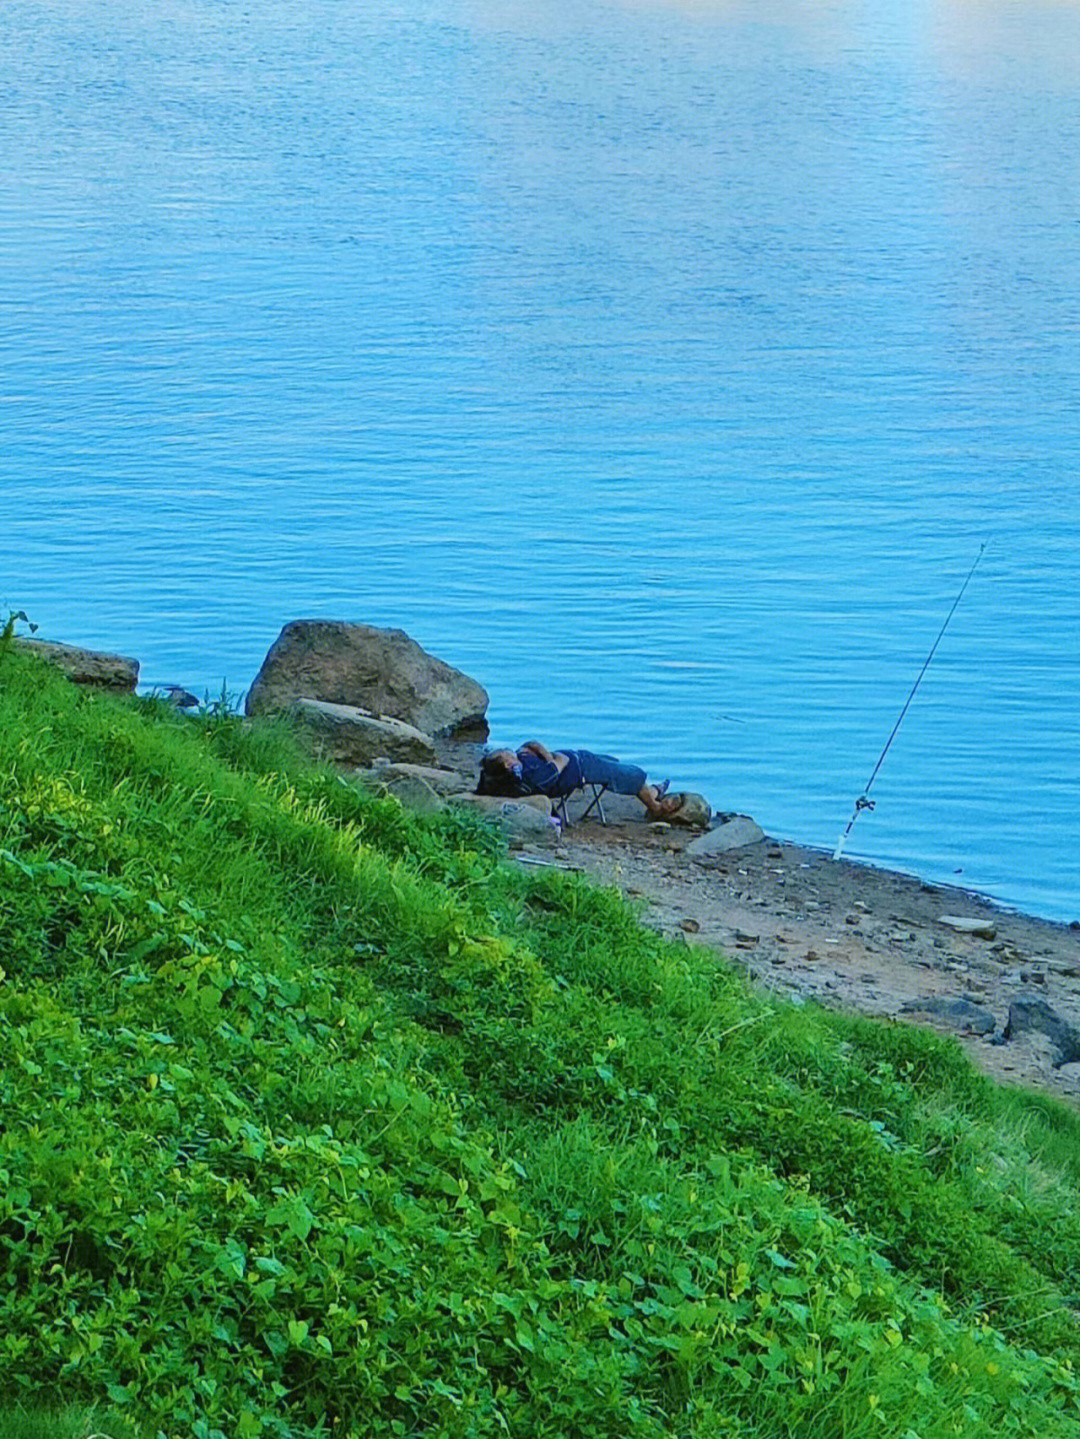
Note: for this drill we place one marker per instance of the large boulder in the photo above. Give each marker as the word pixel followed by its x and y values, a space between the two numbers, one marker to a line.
pixel 347 735
pixel 382 671
pixel 87 667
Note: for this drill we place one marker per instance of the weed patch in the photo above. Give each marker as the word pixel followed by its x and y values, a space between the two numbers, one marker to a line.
pixel 316 1117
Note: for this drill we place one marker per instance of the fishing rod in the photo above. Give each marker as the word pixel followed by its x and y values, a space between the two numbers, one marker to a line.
pixel 864 801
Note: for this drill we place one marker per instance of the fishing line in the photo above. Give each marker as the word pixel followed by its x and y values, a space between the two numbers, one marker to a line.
pixel 864 801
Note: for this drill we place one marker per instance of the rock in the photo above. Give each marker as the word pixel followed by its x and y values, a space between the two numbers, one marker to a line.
pixel 736 833
pixel 410 790
pixel 1028 1015
pixel 347 735
pixel 981 928
pixel 442 782
pixel 87 667
pixel 176 696
pixel 693 811
pixel 618 809
pixel 962 1014
pixel 490 803
pixel 526 820
pixel 382 671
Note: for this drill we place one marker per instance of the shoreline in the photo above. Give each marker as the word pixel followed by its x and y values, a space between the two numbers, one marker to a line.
pixel 842 933
pixel 849 935
pixel 121 673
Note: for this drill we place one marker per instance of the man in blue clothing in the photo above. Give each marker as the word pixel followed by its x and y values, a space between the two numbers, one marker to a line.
pixel 534 769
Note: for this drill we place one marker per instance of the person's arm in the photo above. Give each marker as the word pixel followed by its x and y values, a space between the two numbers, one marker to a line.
pixel 541 751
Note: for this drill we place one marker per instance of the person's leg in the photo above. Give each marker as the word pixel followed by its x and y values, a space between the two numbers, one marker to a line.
pixel 657 801
pixel 622 779
pixel 606 769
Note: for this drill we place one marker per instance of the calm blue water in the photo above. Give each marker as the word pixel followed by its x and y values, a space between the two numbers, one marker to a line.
pixel 663 366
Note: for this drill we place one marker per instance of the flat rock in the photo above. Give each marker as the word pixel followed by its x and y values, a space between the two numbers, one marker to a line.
pixel 379 670
pixel 409 789
pixel 735 833
pixel 96 668
pixel 492 803
pixel 524 821
pixel 961 1014
pixel 964 924
pixel 348 735
pixel 618 808
pixel 442 782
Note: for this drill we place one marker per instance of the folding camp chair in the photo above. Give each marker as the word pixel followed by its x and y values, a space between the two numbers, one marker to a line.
pixel 596 803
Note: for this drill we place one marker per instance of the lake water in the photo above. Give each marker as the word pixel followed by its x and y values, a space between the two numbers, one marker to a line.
pixel 663 366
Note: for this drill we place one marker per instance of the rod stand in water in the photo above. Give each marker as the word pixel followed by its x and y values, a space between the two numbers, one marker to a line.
pixel 864 801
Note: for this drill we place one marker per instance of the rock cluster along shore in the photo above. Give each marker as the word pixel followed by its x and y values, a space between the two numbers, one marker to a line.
pixel 373 702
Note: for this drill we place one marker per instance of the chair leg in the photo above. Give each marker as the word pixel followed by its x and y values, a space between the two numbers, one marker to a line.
pixel 598 791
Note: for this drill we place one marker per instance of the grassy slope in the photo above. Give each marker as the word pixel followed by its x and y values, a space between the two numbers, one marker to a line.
pixel 317 1117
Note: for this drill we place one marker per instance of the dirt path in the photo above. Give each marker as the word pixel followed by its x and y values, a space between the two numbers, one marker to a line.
pixel 850 936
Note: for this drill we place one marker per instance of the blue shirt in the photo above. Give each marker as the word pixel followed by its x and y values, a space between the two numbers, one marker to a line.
pixel 541 776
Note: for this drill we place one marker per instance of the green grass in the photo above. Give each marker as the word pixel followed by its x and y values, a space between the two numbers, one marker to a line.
pixel 61 1424
pixel 318 1117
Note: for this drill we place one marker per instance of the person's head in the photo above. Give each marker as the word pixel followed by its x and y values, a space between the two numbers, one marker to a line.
pixel 500 774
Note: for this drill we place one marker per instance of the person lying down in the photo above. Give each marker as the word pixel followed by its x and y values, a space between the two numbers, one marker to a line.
pixel 534 769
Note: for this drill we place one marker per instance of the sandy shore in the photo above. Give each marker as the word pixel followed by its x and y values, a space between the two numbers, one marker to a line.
pixel 850 936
